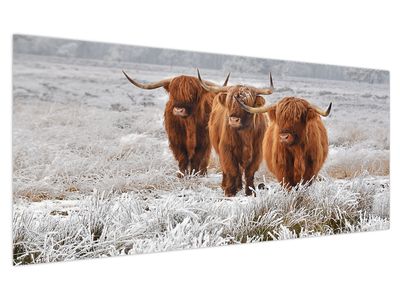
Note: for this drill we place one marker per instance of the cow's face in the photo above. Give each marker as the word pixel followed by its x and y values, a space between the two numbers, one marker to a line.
pixel 237 117
pixel 184 93
pixel 291 116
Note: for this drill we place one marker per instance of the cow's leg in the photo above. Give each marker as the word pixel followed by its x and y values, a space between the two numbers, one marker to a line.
pixel 310 172
pixel 249 172
pixel 231 170
pixel 251 161
pixel 298 173
pixel 238 179
pixel 249 175
pixel 181 156
pixel 176 133
pixel 224 178
pixel 299 165
pixel 231 187
pixel 284 168
pixel 200 159
pixel 205 160
pixel 192 147
pixel 183 163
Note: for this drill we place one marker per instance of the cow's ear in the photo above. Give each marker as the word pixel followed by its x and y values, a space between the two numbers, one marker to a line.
pixel 221 98
pixel 310 115
pixel 260 101
pixel 166 87
pixel 272 114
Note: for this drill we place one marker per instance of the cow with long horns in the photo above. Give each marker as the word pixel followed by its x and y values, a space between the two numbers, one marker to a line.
pixel 186 118
pixel 295 145
pixel 236 135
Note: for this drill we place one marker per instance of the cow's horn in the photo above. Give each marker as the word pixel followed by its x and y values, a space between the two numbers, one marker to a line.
pixel 267 91
pixel 256 110
pixel 226 80
pixel 148 86
pixel 213 88
pixel 321 112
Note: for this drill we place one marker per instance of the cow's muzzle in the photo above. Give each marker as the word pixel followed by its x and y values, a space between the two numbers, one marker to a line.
pixel 287 138
pixel 180 112
pixel 235 122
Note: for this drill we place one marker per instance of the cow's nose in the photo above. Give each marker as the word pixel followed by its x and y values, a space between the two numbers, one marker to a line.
pixel 234 120
pixel 180 111
pixel 284 137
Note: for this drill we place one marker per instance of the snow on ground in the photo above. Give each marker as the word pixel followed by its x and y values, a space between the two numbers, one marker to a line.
pixel 93 175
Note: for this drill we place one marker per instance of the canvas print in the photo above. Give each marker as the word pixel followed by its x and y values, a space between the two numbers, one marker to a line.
pixel 121 150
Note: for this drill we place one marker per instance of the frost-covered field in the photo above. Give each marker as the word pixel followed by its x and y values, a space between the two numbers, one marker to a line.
pixel 93 175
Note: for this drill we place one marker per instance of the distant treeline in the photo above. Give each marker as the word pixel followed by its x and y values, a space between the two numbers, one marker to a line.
pixel 123 53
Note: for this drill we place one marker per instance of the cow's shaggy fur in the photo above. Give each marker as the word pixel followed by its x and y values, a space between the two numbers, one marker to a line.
pixel 188 136
pixel 239 148
pixel 302 156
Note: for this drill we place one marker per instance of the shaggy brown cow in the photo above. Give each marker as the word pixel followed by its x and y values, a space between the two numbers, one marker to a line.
pixel 185 119
pixel 236 135
pixel 295 145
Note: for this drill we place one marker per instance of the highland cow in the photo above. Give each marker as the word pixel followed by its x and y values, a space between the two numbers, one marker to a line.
pixel 186 118
pixel 295 145
pixel 236 135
